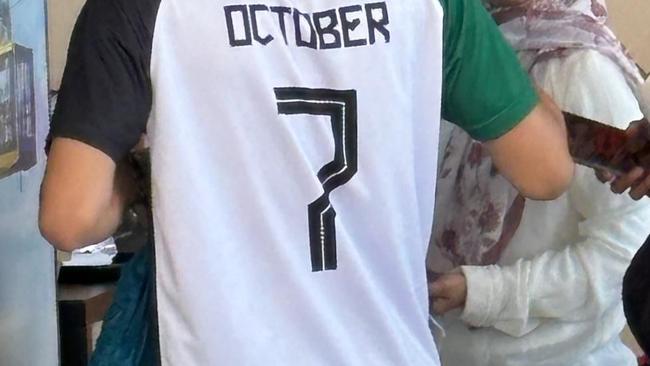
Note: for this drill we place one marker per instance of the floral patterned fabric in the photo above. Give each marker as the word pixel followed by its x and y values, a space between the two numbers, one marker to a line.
pixel 477 210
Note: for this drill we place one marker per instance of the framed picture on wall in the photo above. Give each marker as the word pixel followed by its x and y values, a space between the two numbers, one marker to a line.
pixel 17 101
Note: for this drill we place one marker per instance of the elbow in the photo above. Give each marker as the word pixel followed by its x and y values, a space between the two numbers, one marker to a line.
pixel 550 183
pixel 63 231
pixel 544 166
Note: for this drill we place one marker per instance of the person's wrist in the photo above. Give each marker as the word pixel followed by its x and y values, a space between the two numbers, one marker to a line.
pixel 481 295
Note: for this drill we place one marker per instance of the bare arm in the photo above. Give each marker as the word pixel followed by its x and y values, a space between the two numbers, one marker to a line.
pixel 104 105
pixel 534 156
pixel 83 195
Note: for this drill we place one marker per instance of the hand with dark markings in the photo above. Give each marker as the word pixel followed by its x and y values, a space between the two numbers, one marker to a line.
pixel 637 179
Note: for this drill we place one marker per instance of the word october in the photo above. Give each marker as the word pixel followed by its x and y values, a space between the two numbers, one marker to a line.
pixel 329 29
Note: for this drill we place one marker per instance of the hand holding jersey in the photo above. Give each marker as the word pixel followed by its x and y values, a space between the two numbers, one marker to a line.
pixel 313 166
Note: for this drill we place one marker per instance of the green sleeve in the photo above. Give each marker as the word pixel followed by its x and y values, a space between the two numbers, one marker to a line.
pixel 485 90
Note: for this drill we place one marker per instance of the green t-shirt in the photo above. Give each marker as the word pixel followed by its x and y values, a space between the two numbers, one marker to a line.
pixel 485 91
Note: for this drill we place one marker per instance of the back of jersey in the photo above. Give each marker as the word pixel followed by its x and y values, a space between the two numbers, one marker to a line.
pixel 294 149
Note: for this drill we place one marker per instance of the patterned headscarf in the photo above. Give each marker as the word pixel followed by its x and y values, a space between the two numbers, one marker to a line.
pixel 554 28
pixel 477 210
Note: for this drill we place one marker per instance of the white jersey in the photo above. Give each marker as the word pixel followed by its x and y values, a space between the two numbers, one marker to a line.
pixel 294 159
pixel 294 149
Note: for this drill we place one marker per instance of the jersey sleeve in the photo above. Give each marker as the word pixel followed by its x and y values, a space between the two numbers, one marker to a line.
pixel 486 91
pixel 106 95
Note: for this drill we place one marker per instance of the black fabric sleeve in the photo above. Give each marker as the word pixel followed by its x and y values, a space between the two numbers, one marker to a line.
pixel 105 96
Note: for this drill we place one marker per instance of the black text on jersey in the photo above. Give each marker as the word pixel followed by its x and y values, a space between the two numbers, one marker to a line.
pixel 341 107
pixel 348 26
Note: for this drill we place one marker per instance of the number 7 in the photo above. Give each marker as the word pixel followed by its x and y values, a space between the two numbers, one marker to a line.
pixel 341 107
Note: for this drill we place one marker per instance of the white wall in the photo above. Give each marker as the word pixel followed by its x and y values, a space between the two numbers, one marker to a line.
pixel 62 15
pixel 630 19
pixel 28 318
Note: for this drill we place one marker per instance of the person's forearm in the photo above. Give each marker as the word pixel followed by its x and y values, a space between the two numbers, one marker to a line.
pixel 553 109
pixel 82 203
pixel 517 297
pixel 534 155
pixel 110 219
pixel 77 227
pixel 522 294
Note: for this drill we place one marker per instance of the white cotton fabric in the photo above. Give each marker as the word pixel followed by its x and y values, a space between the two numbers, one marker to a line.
pixel 232 181
pixel 554 298
pixel 644 97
